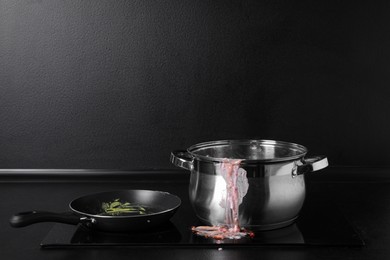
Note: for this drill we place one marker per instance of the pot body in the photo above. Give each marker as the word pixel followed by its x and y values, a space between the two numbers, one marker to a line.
pixel 276 185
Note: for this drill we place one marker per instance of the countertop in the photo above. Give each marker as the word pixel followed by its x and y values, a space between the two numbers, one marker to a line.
pixel 362 194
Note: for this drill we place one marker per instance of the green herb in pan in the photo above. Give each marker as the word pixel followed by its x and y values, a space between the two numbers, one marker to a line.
pixel 117 208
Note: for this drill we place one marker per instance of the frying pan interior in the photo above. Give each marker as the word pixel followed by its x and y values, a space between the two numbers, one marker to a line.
pixel 155 202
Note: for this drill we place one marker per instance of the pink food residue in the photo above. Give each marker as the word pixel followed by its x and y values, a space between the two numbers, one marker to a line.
pixel 236 188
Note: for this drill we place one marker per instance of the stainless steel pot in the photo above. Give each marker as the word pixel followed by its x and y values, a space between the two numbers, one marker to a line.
pixel 275 174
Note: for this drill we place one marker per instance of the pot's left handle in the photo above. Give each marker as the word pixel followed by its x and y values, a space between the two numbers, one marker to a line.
pixel 312 164
pixel 182 159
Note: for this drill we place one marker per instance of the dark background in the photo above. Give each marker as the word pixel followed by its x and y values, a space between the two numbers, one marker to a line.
pixel 120 84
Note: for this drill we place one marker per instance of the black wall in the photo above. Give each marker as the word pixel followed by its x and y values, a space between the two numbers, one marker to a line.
pixel 120 84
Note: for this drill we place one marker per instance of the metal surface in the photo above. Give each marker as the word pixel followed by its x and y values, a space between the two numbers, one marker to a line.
pixel 248 150
pixel 275 172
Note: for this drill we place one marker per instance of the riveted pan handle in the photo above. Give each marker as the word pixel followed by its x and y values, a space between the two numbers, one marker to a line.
pixel 182 159
pixel 312 164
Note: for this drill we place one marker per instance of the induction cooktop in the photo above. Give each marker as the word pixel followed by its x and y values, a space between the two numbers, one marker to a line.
pixel 319 224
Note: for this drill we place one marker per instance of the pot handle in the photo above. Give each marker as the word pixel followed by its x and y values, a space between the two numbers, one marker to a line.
pixel 23 219
pixel 312 164
pixel 182 159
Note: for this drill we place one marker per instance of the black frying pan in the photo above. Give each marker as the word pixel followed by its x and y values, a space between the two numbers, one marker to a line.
pixel 159 207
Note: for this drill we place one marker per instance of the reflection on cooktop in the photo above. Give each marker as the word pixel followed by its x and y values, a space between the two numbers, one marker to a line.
pixel 320 224
pixel 282 236
pixel 166 233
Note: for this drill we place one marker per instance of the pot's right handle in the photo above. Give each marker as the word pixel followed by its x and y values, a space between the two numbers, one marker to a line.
pixel 182 159
pixel 312 164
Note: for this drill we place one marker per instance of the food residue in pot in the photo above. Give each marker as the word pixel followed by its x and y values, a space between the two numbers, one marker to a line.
pixel 236 188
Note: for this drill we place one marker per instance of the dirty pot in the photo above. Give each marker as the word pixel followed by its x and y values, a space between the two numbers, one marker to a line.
pixel 274 171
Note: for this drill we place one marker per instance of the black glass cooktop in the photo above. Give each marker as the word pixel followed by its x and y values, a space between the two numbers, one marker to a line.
pixel 319 224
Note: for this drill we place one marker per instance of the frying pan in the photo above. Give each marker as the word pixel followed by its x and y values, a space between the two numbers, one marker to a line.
pixel 87 210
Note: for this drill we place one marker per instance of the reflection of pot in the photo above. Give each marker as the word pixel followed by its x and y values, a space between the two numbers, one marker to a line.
pixel 275 172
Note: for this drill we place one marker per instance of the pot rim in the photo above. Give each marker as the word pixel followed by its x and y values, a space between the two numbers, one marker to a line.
pixel 299 151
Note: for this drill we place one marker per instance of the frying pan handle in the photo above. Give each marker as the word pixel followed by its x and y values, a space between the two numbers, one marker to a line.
pixel 182 159
pixel 312 164
pixel 23 219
